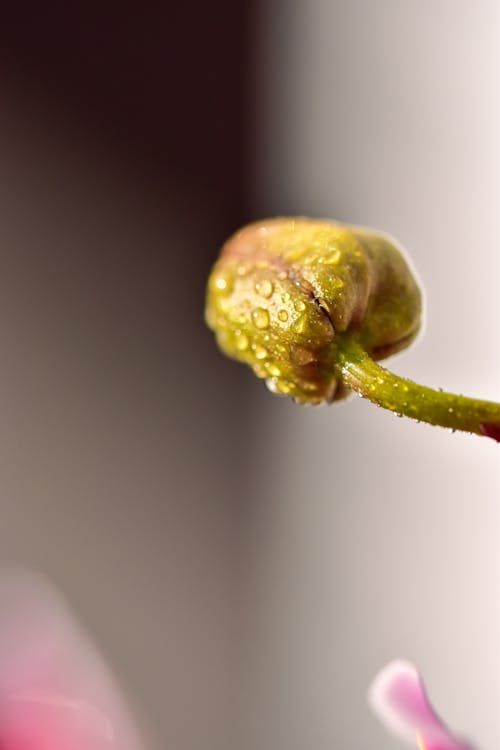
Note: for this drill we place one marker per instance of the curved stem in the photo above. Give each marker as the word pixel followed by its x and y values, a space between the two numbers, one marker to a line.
pixel 361 373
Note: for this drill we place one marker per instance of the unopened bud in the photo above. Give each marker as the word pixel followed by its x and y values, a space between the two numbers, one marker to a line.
pixel 284 289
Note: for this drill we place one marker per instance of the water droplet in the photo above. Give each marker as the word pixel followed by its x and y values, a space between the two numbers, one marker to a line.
pixel 223 284
pixel 260 317
pixel 380 380
pixel 241 342
pixel 264 288
pixel 273 370
pixel 450 409
pixel 260 352
pixel 283 316
pixel 300 306
pixel 300 324
pixel 285 297
pixel 272 384
pixel 395 385
pixel 242 270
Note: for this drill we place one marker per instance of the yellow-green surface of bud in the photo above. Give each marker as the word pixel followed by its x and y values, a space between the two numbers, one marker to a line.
pixel 284 290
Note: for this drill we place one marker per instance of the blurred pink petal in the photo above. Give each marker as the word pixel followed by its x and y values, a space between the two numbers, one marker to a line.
pixel 398 698
pixel 55 691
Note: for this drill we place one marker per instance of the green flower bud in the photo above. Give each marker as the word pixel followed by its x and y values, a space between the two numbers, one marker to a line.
pixel 284 290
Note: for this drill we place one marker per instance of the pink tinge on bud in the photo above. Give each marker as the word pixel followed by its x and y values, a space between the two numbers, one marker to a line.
pixel 55 690
pixel 398 698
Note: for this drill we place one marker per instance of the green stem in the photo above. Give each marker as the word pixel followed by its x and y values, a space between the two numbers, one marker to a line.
pixel 361 373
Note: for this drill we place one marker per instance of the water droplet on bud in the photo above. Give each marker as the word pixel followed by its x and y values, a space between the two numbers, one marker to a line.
pixel 260 352
pixel 260 318
pixel 273 370
pixel 264 288
pixel 241 342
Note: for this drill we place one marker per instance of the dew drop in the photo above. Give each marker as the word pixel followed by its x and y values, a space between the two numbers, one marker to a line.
pixel 285 297
pixel 223 284
pixel 300 324
pixel 260 352
pixel 264 288
pixel 260 318
pixel 450 409
pixel 300 306
pixel 273 370
pixel 272 384
pixel 241 342
pixel 283 316
pixel 380 380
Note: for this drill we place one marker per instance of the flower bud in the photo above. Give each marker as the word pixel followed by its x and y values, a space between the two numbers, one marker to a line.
pixel 283 290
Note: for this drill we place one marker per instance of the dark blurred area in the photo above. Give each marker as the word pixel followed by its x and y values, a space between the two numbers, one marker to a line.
pixel 165 84
pixel 125 146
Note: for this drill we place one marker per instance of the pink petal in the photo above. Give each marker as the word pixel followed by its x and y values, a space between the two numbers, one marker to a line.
pixel 398 698
pixel 55 691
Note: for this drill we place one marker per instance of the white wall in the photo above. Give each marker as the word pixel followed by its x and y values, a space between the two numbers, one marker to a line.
pixel 372 537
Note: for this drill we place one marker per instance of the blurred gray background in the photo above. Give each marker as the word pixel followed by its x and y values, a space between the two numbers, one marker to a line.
pixel 373 537
pixel 247 565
